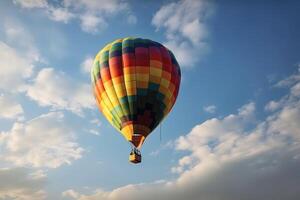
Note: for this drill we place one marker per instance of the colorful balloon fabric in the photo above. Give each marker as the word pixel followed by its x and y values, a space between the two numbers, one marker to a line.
pixel 135 84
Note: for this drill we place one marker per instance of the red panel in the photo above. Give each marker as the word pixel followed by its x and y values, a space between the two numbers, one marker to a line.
pixel 142 56
pixel 105 74
pixel 154 53
pixel 166 59
pixel 115 66
pixel 128 60
pixel 100 86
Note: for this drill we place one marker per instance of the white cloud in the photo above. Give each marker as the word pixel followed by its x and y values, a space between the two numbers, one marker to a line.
pixel 92 14
pixel 87 64
pixel 15 69
pixel 19 184
pixel 286 122
pixel 56 89
pixel 45 141
pixel 92 23
pixel 39 174
pixel 96 122
pixel 272 106
pixel 210 108
pixel 94 132
pixel 18 55
pixel 295 90
pixel 186 54
pixel 289 80
pixel 31 3
pixel 231 158
pixel 60 14
pixel 186 31
pixel 109 7
pixel 9 108
pixel 21 39
pixel 71 193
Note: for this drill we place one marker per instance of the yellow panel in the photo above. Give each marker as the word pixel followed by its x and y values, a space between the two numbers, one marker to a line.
pixel 105 103
pixel 129 77
pixel 155 71
pixel 120 90
pixel 155 63
pixel 130 88
pixel 110 92
pixel 107 84
pixel 117 41
pixel 164 82
pixel 127 132
pixel 117 80
pixel 142 77
pixel 108 114
pixel 168 94
pixel 129 70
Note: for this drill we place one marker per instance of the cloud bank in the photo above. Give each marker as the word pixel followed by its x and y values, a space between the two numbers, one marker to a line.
pixel 230 158
pixel 21 184
pixel 46 141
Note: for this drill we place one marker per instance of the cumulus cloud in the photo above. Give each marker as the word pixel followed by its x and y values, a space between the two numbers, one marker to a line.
pixel 60 14
pixel 71 193
pixel 185 25
pixel 87 64
pixel 18 55
pixel 272 105
pixel 96 122
pixel 46 141
pixel 20 184
pixel 93 15
pixel 20 38
pixel 289 80
pixel 9 108
pixel 92 23
pixel 210 109
pixel 234 157
pixel 94 132
pixel 56 89
pixel 31 3
pixel 15 69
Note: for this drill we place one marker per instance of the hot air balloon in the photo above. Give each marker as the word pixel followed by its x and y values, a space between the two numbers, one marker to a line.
pixel 135 83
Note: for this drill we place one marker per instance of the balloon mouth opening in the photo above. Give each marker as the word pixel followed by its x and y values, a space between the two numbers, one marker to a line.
pixel 137 140
pixel 135 133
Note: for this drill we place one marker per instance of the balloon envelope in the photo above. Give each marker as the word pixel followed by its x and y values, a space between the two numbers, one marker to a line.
pixel 135 84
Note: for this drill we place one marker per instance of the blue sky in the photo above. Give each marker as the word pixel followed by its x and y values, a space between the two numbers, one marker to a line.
pixel 233 131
